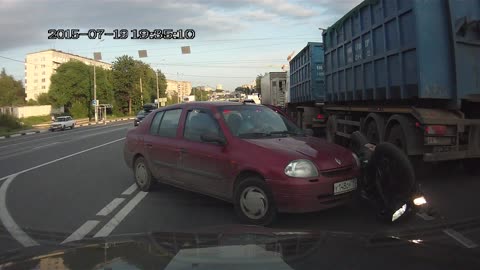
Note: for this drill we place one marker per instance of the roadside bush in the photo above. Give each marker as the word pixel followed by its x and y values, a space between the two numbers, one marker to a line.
pixel 79 110
pixel 32 102
pixel 35 120
pixel 9 122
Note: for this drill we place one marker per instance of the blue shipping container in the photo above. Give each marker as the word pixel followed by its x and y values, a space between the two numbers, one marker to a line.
pixel 307 83
pixel 404 49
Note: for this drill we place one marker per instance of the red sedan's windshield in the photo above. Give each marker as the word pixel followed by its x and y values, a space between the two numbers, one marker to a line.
pixel 245 120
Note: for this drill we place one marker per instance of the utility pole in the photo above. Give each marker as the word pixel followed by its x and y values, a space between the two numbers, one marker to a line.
pixel 95 92
pixel 158 92
pixel 96 56
pixel 141 90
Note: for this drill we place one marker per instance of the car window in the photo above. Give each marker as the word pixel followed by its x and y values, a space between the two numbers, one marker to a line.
pixel 156 123
pixel 169 123
pixel 258 120
pixel 200 122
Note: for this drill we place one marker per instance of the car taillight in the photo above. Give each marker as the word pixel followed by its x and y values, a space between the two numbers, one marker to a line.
pixel 436 130
pixel 320 116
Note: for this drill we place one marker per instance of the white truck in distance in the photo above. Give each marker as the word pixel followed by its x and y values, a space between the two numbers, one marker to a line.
pixel 62 122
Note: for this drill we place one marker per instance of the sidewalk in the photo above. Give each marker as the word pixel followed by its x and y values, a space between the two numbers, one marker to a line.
pixel 80 123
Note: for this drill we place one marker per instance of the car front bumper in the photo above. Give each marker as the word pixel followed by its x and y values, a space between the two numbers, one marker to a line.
pixel 310 195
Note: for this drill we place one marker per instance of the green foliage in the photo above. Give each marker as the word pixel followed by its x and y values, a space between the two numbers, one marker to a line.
pixel 74 83
pixel 172 100
pixel 79 110
pixel 126 74
pixel 200 95
pixel 35 120
pixel 32 102
pixel 258 84
pixel 245 90
pixel 8 121
pixel 44 99
pixel 12 92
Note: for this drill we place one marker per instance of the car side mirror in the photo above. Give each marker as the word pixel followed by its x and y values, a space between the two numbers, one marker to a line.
pixel 309 132
pixel 213 138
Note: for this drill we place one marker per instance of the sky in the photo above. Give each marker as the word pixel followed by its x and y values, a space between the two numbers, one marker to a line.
pixel 235 40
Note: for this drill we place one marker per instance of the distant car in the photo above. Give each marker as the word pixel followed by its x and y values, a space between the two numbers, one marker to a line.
pixel 62 122
pixel 242 153
pixel 140 116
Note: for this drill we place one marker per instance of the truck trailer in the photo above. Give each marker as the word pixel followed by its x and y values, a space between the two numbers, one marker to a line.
pixel 407 72
pixel 306 96
pixel 274 87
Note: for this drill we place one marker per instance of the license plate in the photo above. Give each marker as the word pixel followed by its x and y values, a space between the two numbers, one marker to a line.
pixel 344 186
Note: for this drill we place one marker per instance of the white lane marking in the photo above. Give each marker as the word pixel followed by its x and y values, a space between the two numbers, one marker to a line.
pixel 110 226
pixel 45 145
pixel 425 216
pixel 62 158
pixel 130 190
pixel 460 238
pixel 7 220
pixel 75 132
pixel 82 231
pixel 110 207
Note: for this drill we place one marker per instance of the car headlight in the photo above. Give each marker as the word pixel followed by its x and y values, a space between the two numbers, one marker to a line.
pixel 357 160
pixel 301 168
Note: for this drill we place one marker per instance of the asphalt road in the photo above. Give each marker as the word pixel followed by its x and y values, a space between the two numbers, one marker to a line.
pixel 65 186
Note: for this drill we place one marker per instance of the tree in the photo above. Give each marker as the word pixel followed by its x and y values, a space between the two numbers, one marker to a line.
pixel 127 73
pixel 44 99
pixel 73 83
pixel 32 102
pixel 258 84
pixel 12 92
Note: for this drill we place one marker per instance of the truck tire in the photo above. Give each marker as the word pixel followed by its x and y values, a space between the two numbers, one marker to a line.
pixel 331 129
pixel 392 174
pixel 372 132
pixel 253 201
pixel 357 142
pixel 397 137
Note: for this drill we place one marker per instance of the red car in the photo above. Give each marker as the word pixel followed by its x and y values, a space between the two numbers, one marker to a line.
pixel 243 153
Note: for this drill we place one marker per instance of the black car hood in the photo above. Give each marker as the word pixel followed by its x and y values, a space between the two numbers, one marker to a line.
pixel 244 247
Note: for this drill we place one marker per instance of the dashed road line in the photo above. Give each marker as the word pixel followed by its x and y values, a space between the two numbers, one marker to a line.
pixel 82 231
pixel 115 221
pixel 460 238
pixel 130 190
pixel 110 207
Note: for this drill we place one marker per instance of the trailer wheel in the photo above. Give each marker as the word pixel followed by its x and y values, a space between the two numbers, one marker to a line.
pixel 397 137
pixel 372 132
pixel 331 129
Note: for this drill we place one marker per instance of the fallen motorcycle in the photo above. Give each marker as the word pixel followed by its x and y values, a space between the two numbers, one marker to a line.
pixel 388 179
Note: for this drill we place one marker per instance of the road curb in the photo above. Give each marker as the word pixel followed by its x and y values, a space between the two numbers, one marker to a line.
pixel 42 131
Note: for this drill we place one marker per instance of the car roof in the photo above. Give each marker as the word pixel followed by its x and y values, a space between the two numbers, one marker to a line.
pixel 208 104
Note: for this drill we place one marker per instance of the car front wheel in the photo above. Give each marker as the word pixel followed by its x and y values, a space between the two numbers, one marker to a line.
pixel 254 202
pixel 142 174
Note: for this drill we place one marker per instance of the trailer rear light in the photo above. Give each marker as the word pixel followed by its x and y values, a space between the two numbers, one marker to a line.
pixel 320 116
pixel 439 130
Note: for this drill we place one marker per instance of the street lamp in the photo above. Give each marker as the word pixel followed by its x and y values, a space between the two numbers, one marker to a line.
pixel 96 56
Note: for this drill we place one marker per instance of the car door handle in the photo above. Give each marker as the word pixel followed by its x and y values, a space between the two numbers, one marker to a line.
pixel 149 145
pixel 183 150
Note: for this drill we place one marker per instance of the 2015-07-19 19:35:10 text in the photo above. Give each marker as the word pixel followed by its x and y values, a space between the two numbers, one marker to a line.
pixel 122 34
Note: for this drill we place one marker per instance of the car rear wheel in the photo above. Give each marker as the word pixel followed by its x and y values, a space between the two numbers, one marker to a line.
pixel 254 202
pixel 142 174
pixel 73 126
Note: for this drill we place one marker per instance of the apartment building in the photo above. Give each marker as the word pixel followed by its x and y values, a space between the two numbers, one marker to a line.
pixel 183 88
pixel 40 66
